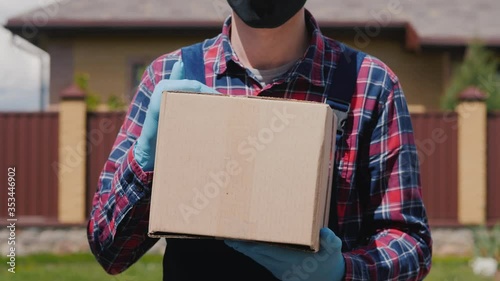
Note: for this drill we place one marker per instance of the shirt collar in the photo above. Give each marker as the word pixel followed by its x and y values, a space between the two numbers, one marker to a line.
pixel 310 67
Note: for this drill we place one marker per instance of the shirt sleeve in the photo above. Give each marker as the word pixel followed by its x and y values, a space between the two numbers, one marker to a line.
pixel 398 244
pixel 118 225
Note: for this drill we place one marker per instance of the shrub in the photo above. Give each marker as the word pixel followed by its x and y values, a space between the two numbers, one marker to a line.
pixel 478 69
pixel 92 99
pixel 82 81
pixel 487 242
pixel 116 103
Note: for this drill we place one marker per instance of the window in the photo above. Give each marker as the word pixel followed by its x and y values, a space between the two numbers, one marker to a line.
pixel 137 71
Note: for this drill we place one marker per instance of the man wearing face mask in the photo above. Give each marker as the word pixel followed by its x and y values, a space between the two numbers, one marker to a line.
pixel 378 228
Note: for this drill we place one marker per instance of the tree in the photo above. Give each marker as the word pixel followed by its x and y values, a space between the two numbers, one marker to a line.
pixel 480 69
pixel 91 99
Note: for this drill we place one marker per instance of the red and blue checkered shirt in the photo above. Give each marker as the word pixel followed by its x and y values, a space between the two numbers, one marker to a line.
pixel 381 218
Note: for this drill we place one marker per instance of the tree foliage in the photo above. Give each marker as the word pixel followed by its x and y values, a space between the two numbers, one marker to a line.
pixel 479 69
pixel 92 99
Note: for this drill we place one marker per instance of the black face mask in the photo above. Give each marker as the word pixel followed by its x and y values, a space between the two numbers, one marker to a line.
pixel 266 13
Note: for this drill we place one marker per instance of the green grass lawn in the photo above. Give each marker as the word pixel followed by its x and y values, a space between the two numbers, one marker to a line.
pixel 83 267
pixel 453 269
pixel 78 267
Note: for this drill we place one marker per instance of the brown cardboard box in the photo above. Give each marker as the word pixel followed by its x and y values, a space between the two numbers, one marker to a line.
pixel 242 168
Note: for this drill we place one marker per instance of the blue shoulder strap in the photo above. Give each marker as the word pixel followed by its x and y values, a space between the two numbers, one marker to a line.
pixel 340 89
pixel 194 62
pixel 342 85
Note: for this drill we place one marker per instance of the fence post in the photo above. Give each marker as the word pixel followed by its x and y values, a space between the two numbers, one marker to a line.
pixel 72 155
pixel 472 141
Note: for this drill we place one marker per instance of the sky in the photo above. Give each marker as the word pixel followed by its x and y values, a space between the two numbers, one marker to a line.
pixel 20 68
pixel 10 8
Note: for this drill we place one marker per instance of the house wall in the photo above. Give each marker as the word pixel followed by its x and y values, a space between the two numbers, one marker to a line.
pixel 422 75
pixel 108 61
pixel 61 67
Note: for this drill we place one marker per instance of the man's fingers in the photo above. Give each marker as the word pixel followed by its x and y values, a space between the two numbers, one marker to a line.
pixel 177 71
pixel 329 241
pixel 205 89
pixel 261 249
pixel 178 82
pixel 238 245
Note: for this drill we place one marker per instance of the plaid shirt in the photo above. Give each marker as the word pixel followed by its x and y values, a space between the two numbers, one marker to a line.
pixel 381 217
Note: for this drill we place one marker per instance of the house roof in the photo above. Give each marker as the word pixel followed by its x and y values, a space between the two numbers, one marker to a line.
pixel 428 22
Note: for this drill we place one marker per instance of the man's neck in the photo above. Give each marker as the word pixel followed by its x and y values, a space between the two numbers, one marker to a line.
pixel 270 48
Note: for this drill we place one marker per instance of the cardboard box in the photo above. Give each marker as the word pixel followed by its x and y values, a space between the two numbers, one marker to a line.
pixel 242 168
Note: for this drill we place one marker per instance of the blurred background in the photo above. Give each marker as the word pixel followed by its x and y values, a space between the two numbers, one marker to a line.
pixel 69 69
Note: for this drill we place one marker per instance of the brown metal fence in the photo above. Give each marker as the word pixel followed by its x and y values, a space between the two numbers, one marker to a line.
pixel 436 139
pixel 493 198
pixel 102 128
pixel 29 142
pixel 435 136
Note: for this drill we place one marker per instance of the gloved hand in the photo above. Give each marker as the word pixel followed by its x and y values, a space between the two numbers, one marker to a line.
pixel 145 147
pixel 289 265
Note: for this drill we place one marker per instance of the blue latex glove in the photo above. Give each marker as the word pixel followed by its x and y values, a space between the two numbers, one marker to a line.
pixel 145 147
pixel 292 265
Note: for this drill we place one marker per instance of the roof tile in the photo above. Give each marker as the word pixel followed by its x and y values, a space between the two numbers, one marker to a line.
pixel 461 20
